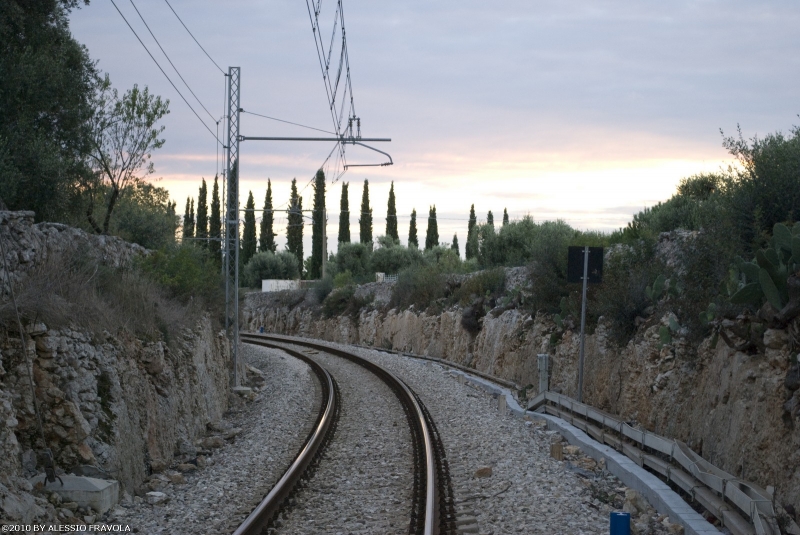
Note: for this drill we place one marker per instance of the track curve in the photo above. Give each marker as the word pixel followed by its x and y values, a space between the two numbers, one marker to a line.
pixel 433 510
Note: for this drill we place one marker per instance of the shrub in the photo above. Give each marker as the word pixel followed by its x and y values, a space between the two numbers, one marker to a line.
pixel 622 297
pixel 186 271
pixel 323 288
pixel 269 265
pixel 488 283
pixel 395 258
pixel 344 301
pixel 345 278
pixel 355 258
pixel 418 286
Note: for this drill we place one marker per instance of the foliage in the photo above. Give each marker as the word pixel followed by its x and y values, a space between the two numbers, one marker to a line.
pixel 266 237
pixel 391 216
pixel 146 216
pixel 188 219
pixel 432 234
pixel 344 216
pixel 490 219
pixel 345 278
pixel 412 231
pixel 318 218
pixel 249 232
pixel 355 258
pixel 766 188
pixel 201 228
pixel 472 238
pixel 323 287
pixel 294 225
pixel 487 283
pixel 47 82
pixel 124 134
pixel 269 265
pixel 186 271
pixel 765 278
pixel 365 217
pixel 622 297
pixel 343 301
pixel 454 245
pixel 418 286
pixel 505 217
pixel 215 224
pixel 394 258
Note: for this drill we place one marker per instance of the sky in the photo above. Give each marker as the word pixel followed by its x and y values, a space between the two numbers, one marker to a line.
pixel 586 111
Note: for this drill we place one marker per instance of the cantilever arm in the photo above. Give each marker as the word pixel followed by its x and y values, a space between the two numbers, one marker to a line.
pixel 390 162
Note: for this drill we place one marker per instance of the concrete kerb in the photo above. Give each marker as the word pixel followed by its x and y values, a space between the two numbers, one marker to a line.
pixel 655 491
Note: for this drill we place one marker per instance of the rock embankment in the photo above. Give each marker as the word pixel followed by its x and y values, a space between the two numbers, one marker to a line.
pixel 111 404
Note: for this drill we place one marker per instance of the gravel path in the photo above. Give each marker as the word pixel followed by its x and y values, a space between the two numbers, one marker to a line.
pixel 216 498
pixel 364 481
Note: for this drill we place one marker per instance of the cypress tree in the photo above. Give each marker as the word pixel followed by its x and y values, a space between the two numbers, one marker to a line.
pixel 318 217
pixel 294 226
pixel 344 216
pixel 412 230
pixel 432 235
pixel 191 219
pixel 266 239
pixel 365 221
pixel 490 219
pixel 505 217
pixel 470 249
pixel 201 230
pixel 186 226
pixel 215 223
pixel 391 216
pixel 188 220
pixel 454 246
pixel 249 237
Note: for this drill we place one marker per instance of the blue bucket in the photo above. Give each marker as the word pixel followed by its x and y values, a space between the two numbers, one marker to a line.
pixel 620 523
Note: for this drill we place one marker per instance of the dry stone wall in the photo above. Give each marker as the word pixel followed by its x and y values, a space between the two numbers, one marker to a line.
pixel 738 410
pixel 114 402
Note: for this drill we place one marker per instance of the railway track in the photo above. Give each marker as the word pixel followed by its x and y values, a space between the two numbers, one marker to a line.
pixel 432 509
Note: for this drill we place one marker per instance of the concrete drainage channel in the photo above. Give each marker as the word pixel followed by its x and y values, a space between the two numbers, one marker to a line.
pixel 433 509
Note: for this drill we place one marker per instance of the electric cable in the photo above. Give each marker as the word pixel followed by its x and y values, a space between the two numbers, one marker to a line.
pixel 163 72
pixel 288 122
pixel 170 61
pixel 195 39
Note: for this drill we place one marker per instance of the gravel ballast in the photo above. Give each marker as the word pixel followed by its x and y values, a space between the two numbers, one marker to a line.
pixel 364 481
pixel 216 498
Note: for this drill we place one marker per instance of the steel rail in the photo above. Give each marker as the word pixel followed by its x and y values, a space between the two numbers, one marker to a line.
pixel 433 523
pixel 260 518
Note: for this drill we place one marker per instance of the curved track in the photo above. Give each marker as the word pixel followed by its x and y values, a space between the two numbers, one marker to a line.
pixel 324 427
pixel 432 511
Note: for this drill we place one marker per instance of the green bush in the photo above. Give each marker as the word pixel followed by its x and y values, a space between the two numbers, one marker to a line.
pixel 488 283
pixel 344 301
pixel 144 215
pixel 393 259
pixel 186 271
pixel 355 258
pixel 418 286
pixel 323 287
pixel 345 278
pixel 622 297
pixel 269 265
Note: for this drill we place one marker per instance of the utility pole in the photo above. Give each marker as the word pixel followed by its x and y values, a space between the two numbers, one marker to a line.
pixel 232 220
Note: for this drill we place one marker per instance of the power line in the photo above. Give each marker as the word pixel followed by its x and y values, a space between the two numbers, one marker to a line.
pixel 163 72
pixel 287 122
pixel 170 61
pixel 195 39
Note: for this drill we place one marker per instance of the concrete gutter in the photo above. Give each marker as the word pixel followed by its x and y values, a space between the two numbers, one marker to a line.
pixel 655 491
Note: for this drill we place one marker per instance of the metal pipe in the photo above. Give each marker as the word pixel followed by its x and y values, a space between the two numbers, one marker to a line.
pixel 583 320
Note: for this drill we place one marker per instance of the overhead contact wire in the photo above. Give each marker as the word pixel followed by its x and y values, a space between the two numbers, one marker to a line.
pixel 164 73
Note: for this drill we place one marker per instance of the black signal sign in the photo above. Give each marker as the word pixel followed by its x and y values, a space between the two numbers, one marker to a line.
pixel 575 264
